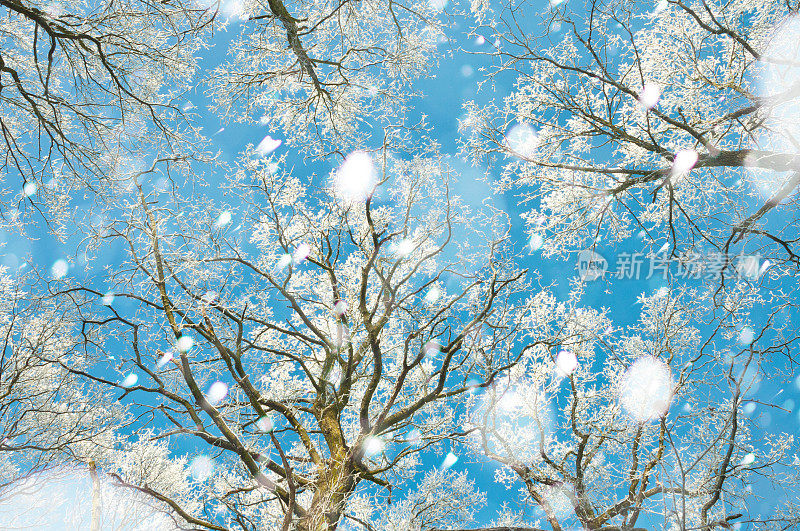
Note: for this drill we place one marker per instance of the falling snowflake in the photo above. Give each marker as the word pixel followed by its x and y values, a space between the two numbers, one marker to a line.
pixel 433 295
pixel 536 242
pixel 432 348
pixel 748 459
pixel 284 261
pixel 185 343
pixel 59 269
pixel 403 248
pixel 373 446
pixel 223 219
pixel 201 468
pixel 746 335
pixel 265 424
pixel 683 163
pixel 301 252
pixel 163 360
pixel 355 179
pixel 649 95
pixel 522 141
pixel 566 363
pixel 340 308
pixel 646 390
pixel 108 298
pixel 217 393
pixel 449 460
pixel 267 146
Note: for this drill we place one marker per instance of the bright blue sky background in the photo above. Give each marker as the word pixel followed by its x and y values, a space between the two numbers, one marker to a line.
pixel 444 94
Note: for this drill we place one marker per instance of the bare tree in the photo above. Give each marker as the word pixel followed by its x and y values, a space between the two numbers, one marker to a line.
pixel 673 123
pixel 292 358
pixel 88 89
pixel 656 435
pixel 314 349
pixel 48 415
pixel 319 70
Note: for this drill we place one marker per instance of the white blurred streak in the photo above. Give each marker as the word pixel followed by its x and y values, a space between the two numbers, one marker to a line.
pixel 61 498
pixel 776 82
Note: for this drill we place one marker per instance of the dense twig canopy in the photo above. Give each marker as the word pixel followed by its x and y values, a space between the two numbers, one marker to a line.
pixel 352 334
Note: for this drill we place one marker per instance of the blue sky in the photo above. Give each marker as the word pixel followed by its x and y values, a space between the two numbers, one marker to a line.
pixel 454 82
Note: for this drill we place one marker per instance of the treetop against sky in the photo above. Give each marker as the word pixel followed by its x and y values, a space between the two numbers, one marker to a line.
pixel 399 266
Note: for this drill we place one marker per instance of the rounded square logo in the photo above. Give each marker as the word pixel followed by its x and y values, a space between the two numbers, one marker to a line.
pixel 591 265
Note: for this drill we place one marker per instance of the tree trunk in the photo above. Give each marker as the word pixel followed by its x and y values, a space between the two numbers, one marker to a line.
pixel 96 516
pixel 336 480
pixel 333 487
